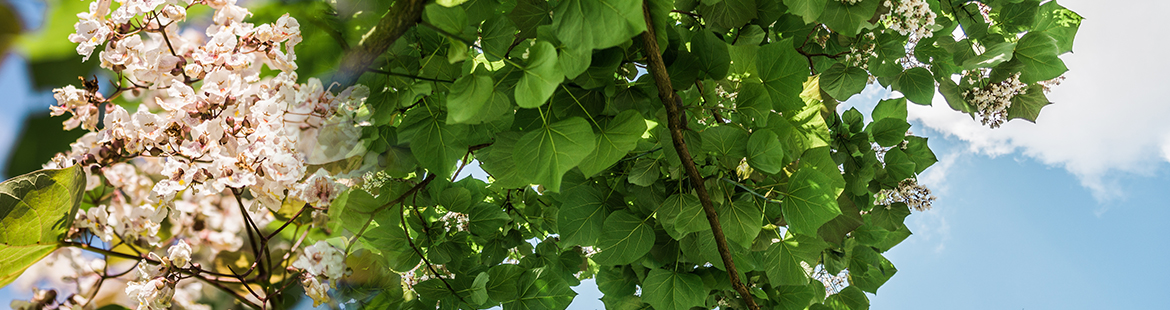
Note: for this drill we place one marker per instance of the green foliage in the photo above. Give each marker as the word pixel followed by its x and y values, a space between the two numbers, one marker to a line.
pixel 36 210
pixel 552 100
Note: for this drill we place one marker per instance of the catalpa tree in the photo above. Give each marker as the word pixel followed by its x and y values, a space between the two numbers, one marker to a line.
pixel 682 153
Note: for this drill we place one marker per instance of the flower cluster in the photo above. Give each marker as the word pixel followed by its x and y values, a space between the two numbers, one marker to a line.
pixel 66 267
pixel 911 18
pixel 993 100
pixel 155 287
pixel 860 52
pixel 321 262
pixel 850 2
pixel 215 145
pixel 909 192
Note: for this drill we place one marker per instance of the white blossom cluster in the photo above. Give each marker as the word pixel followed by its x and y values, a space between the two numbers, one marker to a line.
pixel 850 2
pixel 213 144
pixel 66 267
pixel 455 221
pixel 321 262
pixel 993 100
pixel 911 18
pixel 909 192
pixel 155 287
pixel 860 52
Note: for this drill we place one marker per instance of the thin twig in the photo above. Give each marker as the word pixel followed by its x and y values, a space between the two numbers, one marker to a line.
pixel 390 73
pixel 410 240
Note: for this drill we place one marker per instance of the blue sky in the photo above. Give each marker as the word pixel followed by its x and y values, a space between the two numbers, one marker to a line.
pixel 1068 213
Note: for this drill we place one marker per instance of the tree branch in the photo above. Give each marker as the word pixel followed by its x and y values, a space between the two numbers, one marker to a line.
pixel 403 15
pixel 670 100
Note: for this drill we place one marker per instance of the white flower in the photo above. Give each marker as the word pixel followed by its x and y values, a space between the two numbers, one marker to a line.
pixel 180 95
pixel 911 17
pixel 90 33
pixel 172 13
pixel 153 294
pixel 316 290
pixel 322 259
pixel 909 192
pixel 180 253
pixel 993 100
pixel 319 189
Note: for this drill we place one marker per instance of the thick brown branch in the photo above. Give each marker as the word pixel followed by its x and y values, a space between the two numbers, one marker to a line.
pixel 674 122
pixel 401 16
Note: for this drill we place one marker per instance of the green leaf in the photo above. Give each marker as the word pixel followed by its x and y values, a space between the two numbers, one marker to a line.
pixel 529 14
pixel 467 98
pixel 808 10
pixel 1037 53
pixel 581 217
pixel 1019 17
pixel 851 297
pixel 898 165
pixel 502 281
pixel 1060 23
pixel 994 55
pixel 812 192
pixel 456 199
pixel 498 160
pixel 711 51
pixel 542 290
pixel 597 24
pixel 389 238
pixel 955 99
pixel 784 259
pixel 670 290
pixel 486 219
pixel 479 289
pixel 433 289
pixel 919 153
pixel 624 239
pixel 753 102
pixel 741 221
pixel 728 142
pixel 439 145
pixel 645 172
pixel 541 76
pixel 888 132
pixel 728 14
pixel 869 270
pixel 685 213
pixel 1027 104
pixel 917 84
pixel 843 82
pixel 765 152
pixel 551 150
pixel 618 138
pixel 449 19
pixel 890 108
pixel 602 65
pixel 836 229
pixel 799 297
pixel 848 19
pixel 782 71
pixel 498 33
pixel 889 217
pixel 36 210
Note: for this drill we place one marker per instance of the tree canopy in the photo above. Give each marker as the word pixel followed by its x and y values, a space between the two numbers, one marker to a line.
pixel 688 153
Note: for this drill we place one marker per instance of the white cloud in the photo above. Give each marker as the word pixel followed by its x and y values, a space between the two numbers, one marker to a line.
pixel 935 177
pixel 1108 119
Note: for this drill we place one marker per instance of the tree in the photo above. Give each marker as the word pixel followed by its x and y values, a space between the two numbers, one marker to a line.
pixel 685 154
